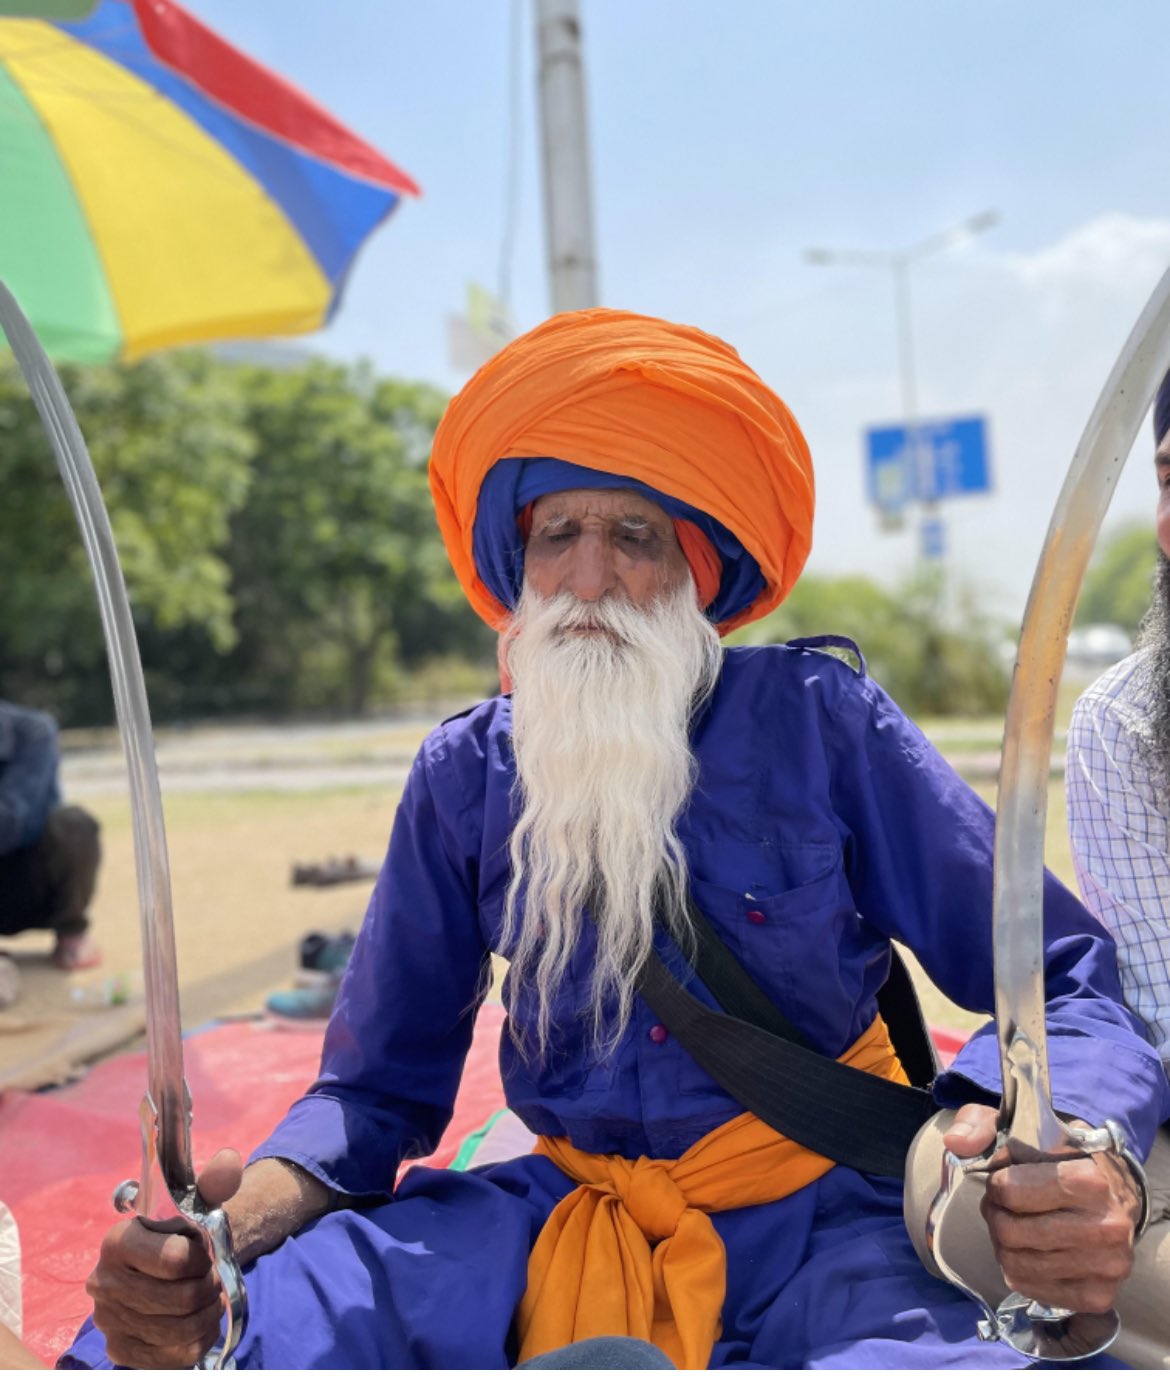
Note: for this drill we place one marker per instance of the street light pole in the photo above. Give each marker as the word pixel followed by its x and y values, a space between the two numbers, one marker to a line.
pixel 904 318
pixel 899 262
pixel 568 203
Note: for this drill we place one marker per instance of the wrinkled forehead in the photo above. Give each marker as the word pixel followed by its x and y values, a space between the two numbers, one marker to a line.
pixel 627 505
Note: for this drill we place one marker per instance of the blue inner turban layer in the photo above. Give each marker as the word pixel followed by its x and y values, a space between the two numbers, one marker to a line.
pixel 515 482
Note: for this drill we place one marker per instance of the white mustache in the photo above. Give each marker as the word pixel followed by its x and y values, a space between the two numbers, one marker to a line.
pixel 612 615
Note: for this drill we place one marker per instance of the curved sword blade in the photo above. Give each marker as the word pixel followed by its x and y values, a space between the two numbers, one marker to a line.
pixel 1029 1128
pixel 1021 809
pixel 163 1032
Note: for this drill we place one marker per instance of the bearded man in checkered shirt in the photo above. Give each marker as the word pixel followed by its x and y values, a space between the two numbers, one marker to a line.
pixel 1118 785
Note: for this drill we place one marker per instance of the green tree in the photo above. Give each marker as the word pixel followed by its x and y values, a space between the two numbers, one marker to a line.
pixel 338 570
pixel 1118 583
pixel 168 444
pixel 927 665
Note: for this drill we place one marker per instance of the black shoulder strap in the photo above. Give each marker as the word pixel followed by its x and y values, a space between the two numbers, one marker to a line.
pixel 899 1006
pixel 760 1058
pixel 733 986
pixel 737 992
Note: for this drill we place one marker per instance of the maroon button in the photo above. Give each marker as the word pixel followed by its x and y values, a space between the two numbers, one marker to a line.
pixel 755 916
pixel 658 1034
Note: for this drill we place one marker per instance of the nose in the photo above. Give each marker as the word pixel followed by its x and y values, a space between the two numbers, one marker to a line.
pixel 591 573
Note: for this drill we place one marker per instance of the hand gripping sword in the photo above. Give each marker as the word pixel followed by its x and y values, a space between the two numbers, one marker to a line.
pixel 164 1196
pixel 1029 1130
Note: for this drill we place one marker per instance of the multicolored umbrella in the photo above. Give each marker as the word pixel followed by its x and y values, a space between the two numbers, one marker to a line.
pixel 159 187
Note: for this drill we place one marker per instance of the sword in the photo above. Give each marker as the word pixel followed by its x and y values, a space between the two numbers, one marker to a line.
pixel 164 1196
pixel 1029 1130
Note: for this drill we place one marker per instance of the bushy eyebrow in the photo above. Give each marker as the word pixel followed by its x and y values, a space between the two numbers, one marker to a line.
pixel 628 521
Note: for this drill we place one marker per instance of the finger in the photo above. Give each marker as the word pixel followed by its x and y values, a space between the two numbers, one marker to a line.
pixel 1074 1295
pixel 1062 1232
pixel 1081 1248
pixel 220 1179
pixel 125 1349
pixel 1037 1267
pixel 194 1334
pixel 972 1132
pixel 152 1296
pixel 155 1253
pixel 1072 1184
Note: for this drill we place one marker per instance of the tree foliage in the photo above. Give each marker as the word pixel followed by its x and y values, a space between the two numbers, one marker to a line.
pixel 339 572
pixel 274 526
pixel 929 665
pixel 167 441
pixel 1118 583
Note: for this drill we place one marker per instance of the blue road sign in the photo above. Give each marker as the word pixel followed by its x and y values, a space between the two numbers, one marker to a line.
pixel 952 459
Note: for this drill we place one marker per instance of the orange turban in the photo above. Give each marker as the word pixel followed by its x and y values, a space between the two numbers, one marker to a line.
pixel 632 396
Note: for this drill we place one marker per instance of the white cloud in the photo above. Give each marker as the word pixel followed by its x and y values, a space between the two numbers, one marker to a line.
pixel 1112 251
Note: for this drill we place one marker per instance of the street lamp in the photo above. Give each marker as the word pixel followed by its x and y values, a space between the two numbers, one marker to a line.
pixel 899 262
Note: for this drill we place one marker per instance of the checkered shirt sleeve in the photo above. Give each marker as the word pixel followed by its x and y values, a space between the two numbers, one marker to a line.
pixel 1121 838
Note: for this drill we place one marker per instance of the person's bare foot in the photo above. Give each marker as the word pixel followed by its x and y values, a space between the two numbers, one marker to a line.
pixel 76 952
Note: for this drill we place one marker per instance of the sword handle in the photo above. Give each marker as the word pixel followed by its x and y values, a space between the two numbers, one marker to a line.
pixel 1032 1328
pixel 182 1209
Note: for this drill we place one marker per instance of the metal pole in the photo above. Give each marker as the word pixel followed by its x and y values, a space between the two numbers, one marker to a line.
pixel 919 459
pixel 568 207
pixel 901 270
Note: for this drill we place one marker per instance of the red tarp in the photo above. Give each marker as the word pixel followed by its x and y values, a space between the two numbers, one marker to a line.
pixel 62 1153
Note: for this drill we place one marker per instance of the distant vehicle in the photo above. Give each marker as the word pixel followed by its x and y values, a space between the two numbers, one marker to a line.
pixel 1090 649
pixel 1098 646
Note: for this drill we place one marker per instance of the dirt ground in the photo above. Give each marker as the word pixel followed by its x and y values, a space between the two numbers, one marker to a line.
pixel 237 918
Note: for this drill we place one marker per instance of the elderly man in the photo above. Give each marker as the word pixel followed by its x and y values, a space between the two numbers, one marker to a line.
pixel 614 491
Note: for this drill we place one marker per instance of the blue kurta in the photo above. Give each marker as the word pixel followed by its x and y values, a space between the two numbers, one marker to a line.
pixel 823 825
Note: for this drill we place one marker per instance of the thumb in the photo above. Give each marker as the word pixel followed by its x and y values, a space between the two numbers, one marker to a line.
pixel 972 1132
pixel 220 1179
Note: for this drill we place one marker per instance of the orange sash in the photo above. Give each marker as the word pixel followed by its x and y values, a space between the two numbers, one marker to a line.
pixel 632 1251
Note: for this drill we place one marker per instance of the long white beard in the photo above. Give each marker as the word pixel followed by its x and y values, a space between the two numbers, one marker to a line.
pixel 604 769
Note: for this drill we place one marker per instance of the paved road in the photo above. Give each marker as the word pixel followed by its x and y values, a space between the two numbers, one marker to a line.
pixel 282 759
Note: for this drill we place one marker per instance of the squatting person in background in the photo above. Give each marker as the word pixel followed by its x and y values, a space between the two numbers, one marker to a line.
pixel 49 854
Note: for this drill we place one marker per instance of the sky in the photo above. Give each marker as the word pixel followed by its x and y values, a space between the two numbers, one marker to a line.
pixel 728 138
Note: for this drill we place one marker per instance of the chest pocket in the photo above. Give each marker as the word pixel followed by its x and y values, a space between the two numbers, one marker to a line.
pixel 789 939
